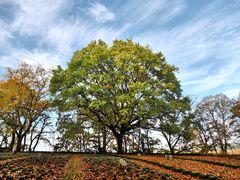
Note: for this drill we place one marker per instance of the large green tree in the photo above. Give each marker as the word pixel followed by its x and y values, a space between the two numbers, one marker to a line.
pixel 118 85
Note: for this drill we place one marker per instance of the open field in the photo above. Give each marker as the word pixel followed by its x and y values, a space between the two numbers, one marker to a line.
pixel 89 166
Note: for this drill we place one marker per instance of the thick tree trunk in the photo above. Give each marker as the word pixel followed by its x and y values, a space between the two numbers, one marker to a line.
pixel 119 145
pixel 172 151
pixel 19 143
pixel 119 138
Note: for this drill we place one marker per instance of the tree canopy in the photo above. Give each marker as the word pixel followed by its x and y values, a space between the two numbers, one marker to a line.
pixel 23 99
pixel 122 86
pixel 215 122
pixel 112 98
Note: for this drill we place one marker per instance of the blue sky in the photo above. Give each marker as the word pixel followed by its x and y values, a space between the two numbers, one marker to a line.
pixel 201 37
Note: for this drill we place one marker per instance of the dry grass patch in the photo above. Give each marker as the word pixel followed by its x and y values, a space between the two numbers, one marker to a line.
pixel 74 168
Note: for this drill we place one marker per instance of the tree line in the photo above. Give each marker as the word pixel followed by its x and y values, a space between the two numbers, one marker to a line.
pixel 112 98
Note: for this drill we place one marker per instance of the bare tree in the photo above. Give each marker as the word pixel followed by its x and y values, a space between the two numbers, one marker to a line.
pixel 38 131
pixel 217 127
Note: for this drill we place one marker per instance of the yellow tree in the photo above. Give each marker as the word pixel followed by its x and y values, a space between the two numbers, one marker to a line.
pixel 13 95
pixel 23 99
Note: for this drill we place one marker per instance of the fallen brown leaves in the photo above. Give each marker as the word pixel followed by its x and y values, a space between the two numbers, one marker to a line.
pixel 199 167
pixel 160 169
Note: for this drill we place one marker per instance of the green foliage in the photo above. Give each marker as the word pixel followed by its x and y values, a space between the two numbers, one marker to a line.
pixel 122 85
pixel 176 124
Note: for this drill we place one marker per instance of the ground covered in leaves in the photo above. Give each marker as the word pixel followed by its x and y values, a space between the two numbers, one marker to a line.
pixel 34 166
pixel 202 167
pixel 82 166
pixel 105 167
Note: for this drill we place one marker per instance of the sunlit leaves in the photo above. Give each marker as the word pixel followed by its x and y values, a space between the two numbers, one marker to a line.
pixel 13 93
pixel 23 98
pixel 122 84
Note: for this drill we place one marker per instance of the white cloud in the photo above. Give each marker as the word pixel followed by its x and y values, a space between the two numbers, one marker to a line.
pixel 42 19
pixel 48 60
pixel 35 17
pixel 34 20
pixel 222 77
pixel 4 35
pixel 215 37
pixel 186 75
pixel 232 93
pixel 172 10
pixel 158 12
pixel 100 12
pixel 183 45
pixel 63 37
pixel 66 37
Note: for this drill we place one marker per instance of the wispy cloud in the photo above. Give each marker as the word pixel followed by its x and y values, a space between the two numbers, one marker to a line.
pixel 65 36
pixel 35 17
pixel 43 20
pixel 151 13
pixel 204 44
pixel 5 38
pixel 4 35
pixel 48 60
pixel 32 20
pixel 206 48
pixel 100 12
pixel 232 93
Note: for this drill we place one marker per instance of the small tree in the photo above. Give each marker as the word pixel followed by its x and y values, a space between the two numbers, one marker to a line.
pixel 175 124
pixel 217 126
pixel 38 131
pixel 23 99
